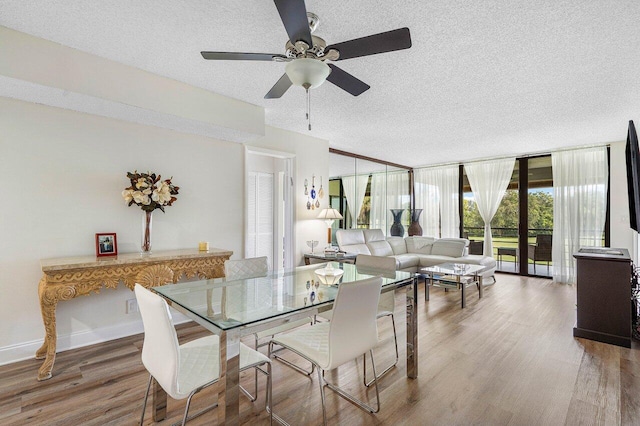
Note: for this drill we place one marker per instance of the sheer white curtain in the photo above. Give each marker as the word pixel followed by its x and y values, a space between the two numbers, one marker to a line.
pixel 489 181
pixel 388 191
pixel 447 181
pixel 378 208
pixel 425 190
pixel 354 191
pixel 579 206
pixel 436 193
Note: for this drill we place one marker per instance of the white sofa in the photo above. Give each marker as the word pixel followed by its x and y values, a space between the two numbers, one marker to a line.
pixel 413 253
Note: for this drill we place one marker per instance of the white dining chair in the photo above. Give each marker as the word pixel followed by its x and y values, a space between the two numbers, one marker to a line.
pixel 352 331
pixel 253 268
pixel 183 370
pixel 376 265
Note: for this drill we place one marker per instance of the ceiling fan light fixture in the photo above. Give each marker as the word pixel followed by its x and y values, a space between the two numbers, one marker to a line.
pixel 308 73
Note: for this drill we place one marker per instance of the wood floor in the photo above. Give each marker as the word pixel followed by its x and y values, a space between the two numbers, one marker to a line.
pixel 506 359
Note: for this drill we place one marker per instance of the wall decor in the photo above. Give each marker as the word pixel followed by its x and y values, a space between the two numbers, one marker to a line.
pixel 149 192
pixel 106 244
pixel 313 196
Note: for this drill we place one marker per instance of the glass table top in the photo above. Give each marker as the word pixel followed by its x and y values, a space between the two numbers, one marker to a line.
pixel 235 303
pixel 453 269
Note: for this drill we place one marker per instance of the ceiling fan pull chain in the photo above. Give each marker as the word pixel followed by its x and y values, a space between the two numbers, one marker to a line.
pixel 309 108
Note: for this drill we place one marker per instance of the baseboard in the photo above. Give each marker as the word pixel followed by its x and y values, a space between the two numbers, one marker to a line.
pixel 27 350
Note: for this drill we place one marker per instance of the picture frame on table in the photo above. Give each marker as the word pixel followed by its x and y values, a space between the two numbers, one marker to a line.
pixel 106 244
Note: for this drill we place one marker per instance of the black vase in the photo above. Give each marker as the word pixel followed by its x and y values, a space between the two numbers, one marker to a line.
pixel 415 228
pixel 397 230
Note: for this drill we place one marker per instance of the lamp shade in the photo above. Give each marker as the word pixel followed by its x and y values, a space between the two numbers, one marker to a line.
pixel 329 214
pixel 307 73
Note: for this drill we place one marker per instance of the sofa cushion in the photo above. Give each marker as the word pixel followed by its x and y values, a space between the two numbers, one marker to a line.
pixel 397 245
pixel 352 241
pixel 380 248
pixel 404 261
pixel 373 235
pixel 452 247
pixel 420 245
pixel 347 237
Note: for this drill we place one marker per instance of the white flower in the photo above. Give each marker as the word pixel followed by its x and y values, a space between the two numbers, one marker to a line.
pixel 141 183
pixel 147 191
pixel 146 200
pixel 138 197
pixel 126 194
pixel 165 197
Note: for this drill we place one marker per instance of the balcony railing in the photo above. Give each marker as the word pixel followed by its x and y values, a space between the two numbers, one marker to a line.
pixel 476 232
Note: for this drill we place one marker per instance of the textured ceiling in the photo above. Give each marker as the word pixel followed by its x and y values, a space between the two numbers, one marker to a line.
pixel 482 79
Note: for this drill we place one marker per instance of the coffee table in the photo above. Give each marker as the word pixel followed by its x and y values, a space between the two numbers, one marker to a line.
pixel 453 275
pixel 321 257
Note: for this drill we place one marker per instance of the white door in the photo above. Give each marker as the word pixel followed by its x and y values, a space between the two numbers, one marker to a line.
pixel 260 235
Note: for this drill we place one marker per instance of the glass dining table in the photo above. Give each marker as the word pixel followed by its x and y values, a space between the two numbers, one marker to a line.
pixel 233 309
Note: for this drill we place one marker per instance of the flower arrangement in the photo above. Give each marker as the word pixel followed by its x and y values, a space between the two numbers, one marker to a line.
pixel 149 192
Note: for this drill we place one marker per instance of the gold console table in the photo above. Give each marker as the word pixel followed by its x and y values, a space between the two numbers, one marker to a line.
pixel 66 278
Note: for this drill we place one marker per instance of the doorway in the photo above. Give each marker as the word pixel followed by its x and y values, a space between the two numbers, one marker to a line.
pixel 269 207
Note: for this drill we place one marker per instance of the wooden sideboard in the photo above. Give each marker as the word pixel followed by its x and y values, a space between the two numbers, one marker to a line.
pixel 66 278
pixel 603 295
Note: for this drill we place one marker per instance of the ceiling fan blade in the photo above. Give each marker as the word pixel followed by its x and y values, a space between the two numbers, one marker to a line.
pixel 377 43
pixel 239 56
pixel 346 81
pixel 279 88
pixel 294 17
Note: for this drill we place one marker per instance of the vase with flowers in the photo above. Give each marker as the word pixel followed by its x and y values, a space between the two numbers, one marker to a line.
pixel 149 192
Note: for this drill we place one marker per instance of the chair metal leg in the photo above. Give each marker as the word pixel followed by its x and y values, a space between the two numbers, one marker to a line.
pixel 248 394
pixel 386 370
pixel 354 400
pixel 186 418
pixel 146 396
pixel 321 383
pixel 186 409
pixel 274 354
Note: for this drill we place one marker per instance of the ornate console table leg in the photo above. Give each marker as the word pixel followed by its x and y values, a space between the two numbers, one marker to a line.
pixel 49 297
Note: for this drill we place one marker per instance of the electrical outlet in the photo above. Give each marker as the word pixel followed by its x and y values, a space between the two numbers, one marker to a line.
pixel 132 306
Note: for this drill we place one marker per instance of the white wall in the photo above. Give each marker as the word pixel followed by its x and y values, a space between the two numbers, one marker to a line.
pixel 62 175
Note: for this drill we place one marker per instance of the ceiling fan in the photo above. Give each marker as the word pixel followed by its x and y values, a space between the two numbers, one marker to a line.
pixel 306 54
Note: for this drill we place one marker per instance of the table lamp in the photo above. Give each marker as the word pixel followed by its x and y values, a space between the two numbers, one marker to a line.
pixel 329 215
